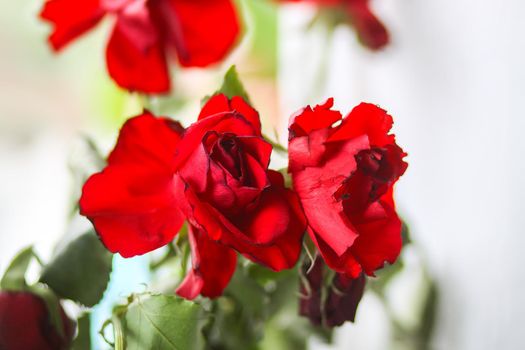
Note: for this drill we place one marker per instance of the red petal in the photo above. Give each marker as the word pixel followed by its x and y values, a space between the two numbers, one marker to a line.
pixel 282 235
pixel 218 123
pixel 70 19
pixel 316 187
pixel 220 103
pixel 146 138
pixel 132 202
pixel 274 228
pixel 308 119
pixel 379 238
pixel 366 119
pixel 202 31
pixel 135 69
pixel 213 266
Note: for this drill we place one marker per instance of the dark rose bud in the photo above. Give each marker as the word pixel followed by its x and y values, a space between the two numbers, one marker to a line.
pixel 25 324
pixel 310 302
pixel 343 299
pixel 343 295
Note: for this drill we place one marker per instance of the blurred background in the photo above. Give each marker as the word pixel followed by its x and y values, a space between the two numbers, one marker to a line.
pixel 452 77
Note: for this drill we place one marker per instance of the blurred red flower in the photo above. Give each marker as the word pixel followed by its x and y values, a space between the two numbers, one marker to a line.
pixel 344 170
pixel 214 174
pixel 371 31
pixel 25 324
pixel 200 32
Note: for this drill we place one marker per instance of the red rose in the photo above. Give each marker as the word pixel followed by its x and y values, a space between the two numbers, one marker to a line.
pixel 343 295
pixel 231 196
pixel 25 324
pixel 214 174
pixel 201 32
pixel 371 31
pixel 344 175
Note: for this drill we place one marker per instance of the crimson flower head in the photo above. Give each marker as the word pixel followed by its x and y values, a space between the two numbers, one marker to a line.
pixel 25 324
pixel 214 174
pixel 371 31
pixel 344 170
pixel 146 32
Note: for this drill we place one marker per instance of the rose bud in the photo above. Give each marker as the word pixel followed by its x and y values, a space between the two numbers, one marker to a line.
pixel 371 31
pixel 343 295
pixel 25 324
pixel 344 170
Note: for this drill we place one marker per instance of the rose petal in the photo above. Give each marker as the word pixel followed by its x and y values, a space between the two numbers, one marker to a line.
pixel 135 69
pixel 307 120
pixel 70 19
pixel 366 119
pixel 213 266
pixel 379 239
pixel 146 138
pixel 220 103
pixel 131 202
pixel 202 31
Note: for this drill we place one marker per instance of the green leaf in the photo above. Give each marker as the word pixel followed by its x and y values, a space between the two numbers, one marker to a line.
pixel 14 276
pixel 83 339
pixel 405 233
pixel 159 322
pixel 80 271
pixel 231 86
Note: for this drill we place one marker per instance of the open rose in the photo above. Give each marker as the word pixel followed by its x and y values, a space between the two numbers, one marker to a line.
pixel 214 174
pixel 25 324
pixel 231 196
pixel 200 32
pixel 371 32
pixel 344 175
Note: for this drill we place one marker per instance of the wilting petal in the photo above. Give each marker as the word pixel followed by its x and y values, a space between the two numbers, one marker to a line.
pixel 134 68
pixel 213 266
pixel 70 19
pixel 202 31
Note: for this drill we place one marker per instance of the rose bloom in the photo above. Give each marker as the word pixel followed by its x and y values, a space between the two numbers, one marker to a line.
pixel 370 30
pixel 344 170
pixel 25 324
pixel 146 32
pixel 213 174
